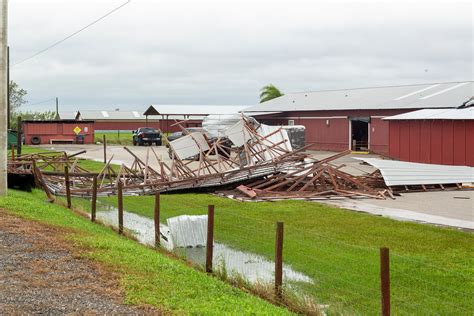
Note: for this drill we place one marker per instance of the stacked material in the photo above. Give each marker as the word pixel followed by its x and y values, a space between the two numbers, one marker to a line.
pixel 401 175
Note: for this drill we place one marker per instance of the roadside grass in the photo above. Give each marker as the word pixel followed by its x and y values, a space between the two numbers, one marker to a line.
pixel 432 268
pixel 147 276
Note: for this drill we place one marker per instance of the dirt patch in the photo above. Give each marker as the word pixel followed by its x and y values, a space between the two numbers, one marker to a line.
pixel 39 274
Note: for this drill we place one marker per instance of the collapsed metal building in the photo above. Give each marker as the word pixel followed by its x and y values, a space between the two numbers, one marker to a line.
pixel 254 161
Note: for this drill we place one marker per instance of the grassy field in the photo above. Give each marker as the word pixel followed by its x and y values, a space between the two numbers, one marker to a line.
pixel 114 137
pixel 431 268
pixel 147 276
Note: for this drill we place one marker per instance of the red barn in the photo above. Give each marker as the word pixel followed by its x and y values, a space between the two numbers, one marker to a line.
pixel 337 120
pixel 58 131
pixel 436 136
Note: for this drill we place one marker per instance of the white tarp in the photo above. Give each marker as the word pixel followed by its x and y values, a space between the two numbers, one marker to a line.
pixel 216 125
pixel 188 231
pixel 189 145
pixel 410 173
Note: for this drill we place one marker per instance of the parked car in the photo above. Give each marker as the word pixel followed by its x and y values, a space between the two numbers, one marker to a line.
pixel 146 136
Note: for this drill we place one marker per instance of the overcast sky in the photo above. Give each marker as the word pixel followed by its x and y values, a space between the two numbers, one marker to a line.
pixel 223 52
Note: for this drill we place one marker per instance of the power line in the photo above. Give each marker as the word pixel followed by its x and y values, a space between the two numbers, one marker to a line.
pixel 71 35
pixel 39 102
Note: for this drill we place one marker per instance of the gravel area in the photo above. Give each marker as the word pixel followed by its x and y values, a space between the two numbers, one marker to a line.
pixel 39 274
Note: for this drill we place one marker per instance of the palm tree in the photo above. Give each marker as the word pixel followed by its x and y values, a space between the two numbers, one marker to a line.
pixel 269 92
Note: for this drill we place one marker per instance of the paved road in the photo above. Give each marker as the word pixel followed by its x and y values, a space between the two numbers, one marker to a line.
pixel 455 205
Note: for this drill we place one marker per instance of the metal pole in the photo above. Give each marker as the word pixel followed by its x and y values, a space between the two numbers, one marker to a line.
pixel 68 186
pixel 8 89
pixel 157 219
pixel 94 198
pixel 57 108
pixel 3 97
pixel 279 261
pixel 120 207
pixel 18 135
pixel 385 280
pixel 210 238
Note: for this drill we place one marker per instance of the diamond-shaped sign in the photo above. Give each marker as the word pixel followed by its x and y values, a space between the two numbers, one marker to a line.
pixel 77 130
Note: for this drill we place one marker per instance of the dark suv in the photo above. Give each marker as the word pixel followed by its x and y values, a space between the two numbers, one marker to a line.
pixel 146 136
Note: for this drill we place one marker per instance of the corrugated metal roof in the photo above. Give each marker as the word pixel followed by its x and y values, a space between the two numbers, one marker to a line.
pixel 411 173
pixel 68 115
pixel 436 114
pixel 438 95
pixel 99 115
pixel 198 109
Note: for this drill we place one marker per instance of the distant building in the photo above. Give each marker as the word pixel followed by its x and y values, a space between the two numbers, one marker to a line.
pixel 163 117
pixel 337 120
pixel 58 132
pixel 436 136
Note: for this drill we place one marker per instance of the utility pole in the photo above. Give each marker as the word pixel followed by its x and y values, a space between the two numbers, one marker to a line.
pixel 8 89
pixel 3 96
pixel 57 108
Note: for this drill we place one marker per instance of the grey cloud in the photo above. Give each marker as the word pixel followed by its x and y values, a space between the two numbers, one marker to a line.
pixel 217 54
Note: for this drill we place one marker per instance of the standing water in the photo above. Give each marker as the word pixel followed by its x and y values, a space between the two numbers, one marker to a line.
pixel 250 266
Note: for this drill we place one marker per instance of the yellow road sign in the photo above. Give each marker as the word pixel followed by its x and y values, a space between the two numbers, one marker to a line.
pixel 77 130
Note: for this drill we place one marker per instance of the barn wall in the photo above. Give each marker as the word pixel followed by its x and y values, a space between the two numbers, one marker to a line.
pixel 329 130
pixel 163 125
pixel 57 130
pixel 447 142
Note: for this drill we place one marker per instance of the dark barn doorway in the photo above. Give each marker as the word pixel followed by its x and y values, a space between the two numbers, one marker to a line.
pixel 360 133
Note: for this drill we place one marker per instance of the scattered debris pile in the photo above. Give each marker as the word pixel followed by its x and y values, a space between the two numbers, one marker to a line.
pixel 196 163
pixel 313 180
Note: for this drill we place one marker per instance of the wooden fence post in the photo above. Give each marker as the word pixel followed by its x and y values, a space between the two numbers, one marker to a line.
pixel 157 219
pixel 105 148
pixel 210 238
pixel 13 152
pixel 68 187
pixel 385 280
pixel 19 137
pixel 94 198
pixel 279 261
pixel 39 182
pixel 120 207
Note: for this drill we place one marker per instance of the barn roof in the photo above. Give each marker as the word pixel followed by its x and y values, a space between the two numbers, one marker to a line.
pixel 436 114
pixel 99 115
pixel 177 112
pixel 419 96
pixel 194 109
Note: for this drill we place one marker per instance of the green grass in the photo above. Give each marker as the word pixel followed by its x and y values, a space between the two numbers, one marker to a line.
pixel 147 276
pixel 114 137
pixel 122 138
pixel 431 268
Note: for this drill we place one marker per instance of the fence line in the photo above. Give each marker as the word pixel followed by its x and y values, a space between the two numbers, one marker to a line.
pixel 388 267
